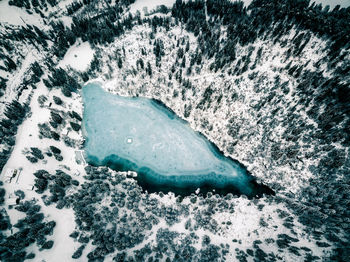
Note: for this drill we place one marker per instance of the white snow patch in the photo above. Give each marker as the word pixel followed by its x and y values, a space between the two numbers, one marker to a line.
pixel 78 56
pixel 63 246
pixel 333 3
pixel 13 14
pixel 63 4
pixel 141 5
pixel 67 20
pixel 246 2
pixel 15 79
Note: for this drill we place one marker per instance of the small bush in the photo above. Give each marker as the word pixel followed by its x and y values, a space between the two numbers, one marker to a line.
pixel 75 234
pixel 44 130
pixel 41 185
pixel 66 92
pixel 75 126
pixel 48 244
pixel 41 100
pixel 75 182
pixel 2 195
pixel 30 256
pixel 37 152
pixel 20 194
pixel 55 150
pixel 60 204
pixel 55 135
pixel 77 254
pixel 76 115
pixel 58 157
pixel 41 174
pixel 56 117
pixel 57 100
pixel 32 159
pixel 53 124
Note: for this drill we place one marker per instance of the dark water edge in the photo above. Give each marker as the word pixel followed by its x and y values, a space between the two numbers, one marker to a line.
pixel 145 179
pixel 258 189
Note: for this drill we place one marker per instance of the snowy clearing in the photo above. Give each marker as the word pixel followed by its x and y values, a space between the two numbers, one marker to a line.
pixel 78 56
pixel 14 15
pixel 148 5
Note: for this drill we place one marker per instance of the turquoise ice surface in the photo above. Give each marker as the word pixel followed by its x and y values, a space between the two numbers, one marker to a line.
pixel 142 135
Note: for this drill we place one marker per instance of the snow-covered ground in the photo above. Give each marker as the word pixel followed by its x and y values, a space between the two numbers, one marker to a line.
pixel 14 15
pixel 145 6
pixel 246 2
pixel 78 56
pixel 27 136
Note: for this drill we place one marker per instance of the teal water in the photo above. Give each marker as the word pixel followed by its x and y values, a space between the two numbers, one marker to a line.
pixel 142 135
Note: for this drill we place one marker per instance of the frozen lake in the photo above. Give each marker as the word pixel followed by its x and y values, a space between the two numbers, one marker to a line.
pixel 142 135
